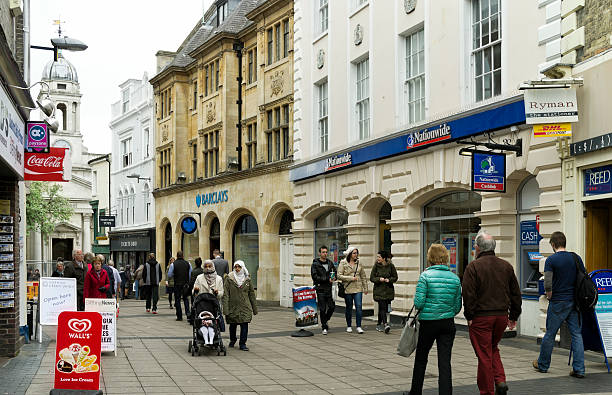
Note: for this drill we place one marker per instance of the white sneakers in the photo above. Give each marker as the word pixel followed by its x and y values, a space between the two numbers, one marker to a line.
pixel 325 331
pixel 349 329
pixel 359 330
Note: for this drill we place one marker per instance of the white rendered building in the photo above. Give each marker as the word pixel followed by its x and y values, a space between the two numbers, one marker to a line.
pixel 133 154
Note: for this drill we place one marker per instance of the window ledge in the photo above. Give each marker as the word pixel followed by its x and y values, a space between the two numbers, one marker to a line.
pixel 276 64
pixel 358 9
pixel 212 95
pixel 251 85
pixel 320 37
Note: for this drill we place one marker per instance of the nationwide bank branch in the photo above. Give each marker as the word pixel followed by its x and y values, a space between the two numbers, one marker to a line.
pixel 407 190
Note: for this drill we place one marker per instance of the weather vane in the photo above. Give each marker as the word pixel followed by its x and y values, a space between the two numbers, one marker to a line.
pixel 58 22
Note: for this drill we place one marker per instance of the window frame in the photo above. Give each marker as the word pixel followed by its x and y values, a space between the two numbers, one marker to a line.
pixel 478 50
pixel 416 79
pixel 323 116
pixel 323 16
pixel 362 98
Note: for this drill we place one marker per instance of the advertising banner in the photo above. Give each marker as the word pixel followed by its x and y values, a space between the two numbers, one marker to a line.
pixel 57 294
pixel 551 105
pixel 603 312
pixel 530 236
pixel 488 172
pixel 11 134
pixel 450 242
pixel 37 134
pixel 32 288
pixel 305 307
pixel 598 180
pixel 108 310
pixel 54 166
pixel 77 353
pixel 552 130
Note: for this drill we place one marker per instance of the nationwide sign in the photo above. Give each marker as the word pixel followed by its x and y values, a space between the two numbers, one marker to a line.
pixel 54 166
pixel 488 172
pixel 426 136
pixel 338 161
pixel 38 137
pixel 552 105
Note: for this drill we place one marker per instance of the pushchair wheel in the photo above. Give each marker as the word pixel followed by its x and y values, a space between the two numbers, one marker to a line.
pixel 190 346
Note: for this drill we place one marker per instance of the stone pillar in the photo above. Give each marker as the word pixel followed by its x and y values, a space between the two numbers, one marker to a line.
pixel 36 248
pixel 268 278
pixel 363 236
pixel 303 240
pixel 86 233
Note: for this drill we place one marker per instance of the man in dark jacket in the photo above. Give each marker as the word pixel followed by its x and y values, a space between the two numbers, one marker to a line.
pixel 221 265
pixel 151 276
pixel 194 274
pixel 492 301
pixel 77 269
pixel 180 270
pixel 323 274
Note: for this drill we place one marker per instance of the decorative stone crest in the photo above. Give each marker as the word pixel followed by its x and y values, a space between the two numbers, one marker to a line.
pixel 358 34
pixel 211 114
pixel 321 59
pixel 164 133
pixel 409 6
pixel 278 82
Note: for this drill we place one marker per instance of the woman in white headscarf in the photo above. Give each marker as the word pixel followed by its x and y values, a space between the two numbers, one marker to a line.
pixel 209 281
pixel 239 303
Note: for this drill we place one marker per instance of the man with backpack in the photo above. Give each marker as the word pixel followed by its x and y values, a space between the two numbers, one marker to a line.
pixel 560 274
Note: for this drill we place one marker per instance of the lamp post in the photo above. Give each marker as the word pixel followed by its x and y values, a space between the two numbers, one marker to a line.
pixel 138 177
pixel 67 43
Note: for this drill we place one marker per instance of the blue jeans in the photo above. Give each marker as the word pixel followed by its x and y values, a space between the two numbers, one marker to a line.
pixel 557 313
pixel 349 299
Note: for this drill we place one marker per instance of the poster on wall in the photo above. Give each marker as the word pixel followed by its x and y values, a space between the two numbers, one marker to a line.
pixel 305 307
pixel 488 172
pixel 450 241
pixel 472 255
pixel 530 236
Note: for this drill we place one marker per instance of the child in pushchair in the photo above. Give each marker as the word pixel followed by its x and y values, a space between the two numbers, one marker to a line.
pixel 207 325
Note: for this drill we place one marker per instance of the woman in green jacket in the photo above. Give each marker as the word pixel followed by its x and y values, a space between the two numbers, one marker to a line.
pixel 239 303
pixel 383 275
pixel 438 298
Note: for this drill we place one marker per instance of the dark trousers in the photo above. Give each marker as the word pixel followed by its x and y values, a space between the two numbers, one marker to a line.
pixel 326 304
pixel 485 334
pixel 123 289
pixel 244 332
pixel 383 307
pixel 178 294
pixel 170 292
pixel 152 295
pixel 80 301
pixel 443 333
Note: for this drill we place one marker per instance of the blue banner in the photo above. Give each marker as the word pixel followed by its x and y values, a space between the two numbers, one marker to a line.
pixel 305 307
pixel 530 235
pixel 597 180
pixel 488 172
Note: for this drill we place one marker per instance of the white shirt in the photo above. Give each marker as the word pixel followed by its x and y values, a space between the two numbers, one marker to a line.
pixel 117 277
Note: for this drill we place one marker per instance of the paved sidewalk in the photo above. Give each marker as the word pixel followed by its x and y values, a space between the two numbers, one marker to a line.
pixel 152 357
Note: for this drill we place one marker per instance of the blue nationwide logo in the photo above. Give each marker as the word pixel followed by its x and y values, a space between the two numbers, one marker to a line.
pixel 188 225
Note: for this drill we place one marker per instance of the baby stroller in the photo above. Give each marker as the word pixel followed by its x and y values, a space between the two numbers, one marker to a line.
pixel 206 302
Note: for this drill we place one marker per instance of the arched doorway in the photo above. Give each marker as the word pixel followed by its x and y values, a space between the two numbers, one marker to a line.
pixel 246 245
pixel 450 220
pixel 167 244
pixel 331 231
pixel 190 243
pixel 384 229
pixel 215 236
pixel 286 259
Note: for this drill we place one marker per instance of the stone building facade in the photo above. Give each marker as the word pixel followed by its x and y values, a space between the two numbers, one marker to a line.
pixel 224 141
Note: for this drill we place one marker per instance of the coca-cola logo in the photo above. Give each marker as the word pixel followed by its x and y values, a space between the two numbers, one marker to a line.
pixel 45 161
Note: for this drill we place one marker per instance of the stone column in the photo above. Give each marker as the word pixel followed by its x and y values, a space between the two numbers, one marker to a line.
pixel 268 278
pixel 36 248
pixel 86 233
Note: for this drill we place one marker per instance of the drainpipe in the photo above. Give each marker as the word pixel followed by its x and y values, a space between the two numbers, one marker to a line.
pixel 238 49
pixel 26 42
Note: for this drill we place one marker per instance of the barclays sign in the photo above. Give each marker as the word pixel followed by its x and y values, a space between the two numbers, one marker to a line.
pixel 211 198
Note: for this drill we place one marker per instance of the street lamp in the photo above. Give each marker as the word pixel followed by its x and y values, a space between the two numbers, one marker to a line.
pixel 138 177
pixel 45 104
pixel 67 43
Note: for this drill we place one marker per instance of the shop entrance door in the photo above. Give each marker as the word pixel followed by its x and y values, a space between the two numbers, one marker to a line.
pixel 286 271
pixel 598 235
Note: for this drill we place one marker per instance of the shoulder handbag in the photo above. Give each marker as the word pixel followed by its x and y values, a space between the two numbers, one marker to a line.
pixel 341 289
pixel 410 335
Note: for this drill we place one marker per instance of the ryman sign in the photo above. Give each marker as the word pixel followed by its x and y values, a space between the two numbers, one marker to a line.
pixel 555 105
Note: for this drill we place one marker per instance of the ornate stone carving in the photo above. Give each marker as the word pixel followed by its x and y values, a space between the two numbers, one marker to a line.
pixel 321 59
pixel 409 6
pixel 278 82
pixel 164 133
pixel 358 34
pixel 211 114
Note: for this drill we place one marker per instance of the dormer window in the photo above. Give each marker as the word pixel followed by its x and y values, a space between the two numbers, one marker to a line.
pixel 222 12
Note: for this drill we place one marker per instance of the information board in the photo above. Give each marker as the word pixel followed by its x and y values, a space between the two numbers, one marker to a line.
pixel 305 307
pixel 450 242
pixel 108 309
pixel 57 294
pixel 603 311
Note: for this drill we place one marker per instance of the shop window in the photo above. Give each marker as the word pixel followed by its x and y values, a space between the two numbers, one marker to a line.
pixel 450 220
pixel 331 231
pixel 190 246
pixel 167 244
pixel 246 245
pixel 528 197
pixel 215 236
pixel 384 230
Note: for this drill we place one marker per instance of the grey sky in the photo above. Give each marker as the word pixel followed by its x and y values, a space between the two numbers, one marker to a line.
pixel 122 36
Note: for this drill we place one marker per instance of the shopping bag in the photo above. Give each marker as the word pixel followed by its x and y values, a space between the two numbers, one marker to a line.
pixel 410 336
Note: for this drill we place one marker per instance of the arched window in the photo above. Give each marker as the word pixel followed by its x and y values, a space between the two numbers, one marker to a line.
pixel 450 220
pixel 285 223
pixel 330 231
pixel 215 236
pixel 147 202
pixel 246 245
pixel 119 207
pixel 61 115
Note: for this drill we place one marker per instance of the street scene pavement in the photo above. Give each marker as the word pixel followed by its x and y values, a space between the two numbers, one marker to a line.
pixel 152 357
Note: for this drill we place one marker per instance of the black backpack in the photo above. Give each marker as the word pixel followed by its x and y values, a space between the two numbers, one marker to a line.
pixel 585 291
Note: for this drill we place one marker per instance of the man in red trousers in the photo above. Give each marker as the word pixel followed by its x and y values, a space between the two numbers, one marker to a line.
pixel 492 301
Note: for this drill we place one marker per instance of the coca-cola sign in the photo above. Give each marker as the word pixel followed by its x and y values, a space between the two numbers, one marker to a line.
pixel 54 166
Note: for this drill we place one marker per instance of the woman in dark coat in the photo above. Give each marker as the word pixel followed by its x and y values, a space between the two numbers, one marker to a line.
pixel 383 275
pixel 239 303
pixel 96 281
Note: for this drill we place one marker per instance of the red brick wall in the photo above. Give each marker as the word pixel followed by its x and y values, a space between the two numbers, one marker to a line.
pixel 10 341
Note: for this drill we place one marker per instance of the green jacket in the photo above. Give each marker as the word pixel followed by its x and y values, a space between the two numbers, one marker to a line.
pixel 438 294
pixel 383 290
pixel 239 303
